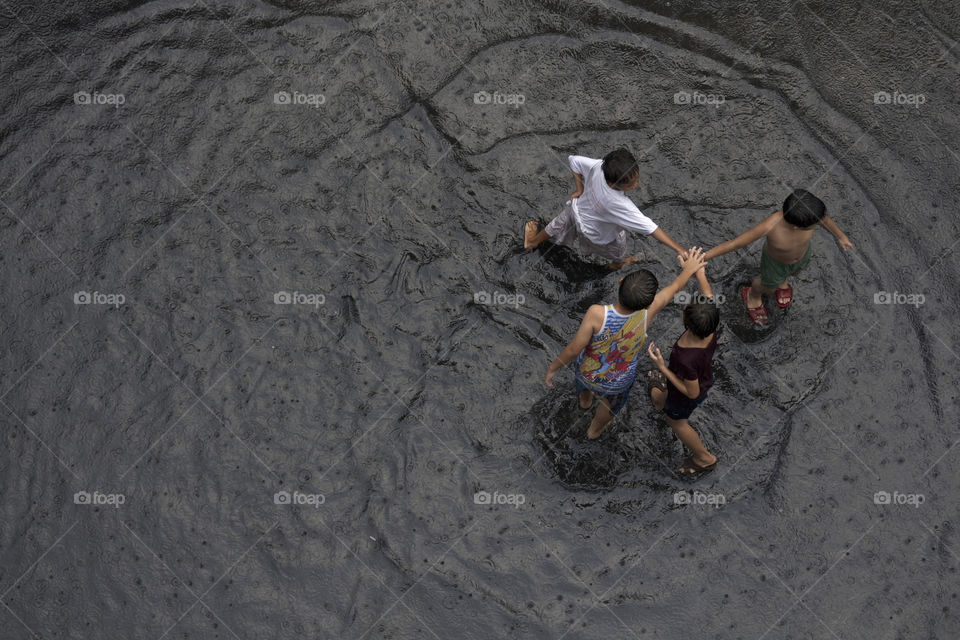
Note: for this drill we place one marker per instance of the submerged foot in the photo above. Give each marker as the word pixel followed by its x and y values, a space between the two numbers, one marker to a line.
pixel 586 399
pixel 690 467
pixel 620 264
pixel 597 429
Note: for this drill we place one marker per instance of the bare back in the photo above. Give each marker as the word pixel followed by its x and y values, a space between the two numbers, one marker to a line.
pixel 787 243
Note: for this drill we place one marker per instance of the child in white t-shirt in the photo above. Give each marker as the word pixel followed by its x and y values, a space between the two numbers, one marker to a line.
pixel 599 213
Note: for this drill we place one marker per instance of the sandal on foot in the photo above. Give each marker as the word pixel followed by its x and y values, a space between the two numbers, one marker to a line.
pixel 784 296
pixel 688 468
pixel 758 315
pixel 656 380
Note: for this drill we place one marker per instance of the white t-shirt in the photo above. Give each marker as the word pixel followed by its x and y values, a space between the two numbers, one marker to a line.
pixel 601 211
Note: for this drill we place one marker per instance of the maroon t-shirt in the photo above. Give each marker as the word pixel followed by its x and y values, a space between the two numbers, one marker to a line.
pixel 692 363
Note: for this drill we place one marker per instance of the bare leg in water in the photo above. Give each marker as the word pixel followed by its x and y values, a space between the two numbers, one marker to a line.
pixel 601 419
pixel 684 432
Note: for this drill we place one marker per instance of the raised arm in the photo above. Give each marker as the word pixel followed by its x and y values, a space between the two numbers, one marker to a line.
pixel 827 223
pixel 591 323
pixel 691 262
pixel 661 236
pixel 758 231
pixel 702 282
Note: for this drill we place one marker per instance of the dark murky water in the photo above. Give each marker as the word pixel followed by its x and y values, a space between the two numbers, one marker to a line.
pixel 190 161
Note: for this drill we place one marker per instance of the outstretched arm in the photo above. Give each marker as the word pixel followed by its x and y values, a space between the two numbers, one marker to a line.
pixel 691 261
pixel 591 323
pixel 758 231
pixel 661 236
pixel 827 223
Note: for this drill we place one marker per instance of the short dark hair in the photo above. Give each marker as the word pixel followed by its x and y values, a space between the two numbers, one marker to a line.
pixel 638 290
pixel 803 209
pixel 619 167
pixel 701 318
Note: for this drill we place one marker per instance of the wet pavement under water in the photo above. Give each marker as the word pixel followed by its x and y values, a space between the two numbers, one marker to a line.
pixel 284 409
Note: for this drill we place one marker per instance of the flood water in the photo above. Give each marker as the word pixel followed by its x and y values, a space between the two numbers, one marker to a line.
pixel 273 353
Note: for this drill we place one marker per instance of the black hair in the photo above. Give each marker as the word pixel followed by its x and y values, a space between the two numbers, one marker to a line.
pixel 701 318
pixel 803 209
pixel 619 167
pixel 637 290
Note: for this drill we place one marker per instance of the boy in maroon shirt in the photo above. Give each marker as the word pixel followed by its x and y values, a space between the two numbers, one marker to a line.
pixel 678 388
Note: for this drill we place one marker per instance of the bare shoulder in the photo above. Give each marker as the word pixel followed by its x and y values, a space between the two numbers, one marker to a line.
pixel 771 221
pixel 595 314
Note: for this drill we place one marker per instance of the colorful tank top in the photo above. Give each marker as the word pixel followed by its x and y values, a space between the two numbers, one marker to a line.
pixel 609 363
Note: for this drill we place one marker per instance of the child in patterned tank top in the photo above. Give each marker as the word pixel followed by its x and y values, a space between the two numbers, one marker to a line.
pixel 607 344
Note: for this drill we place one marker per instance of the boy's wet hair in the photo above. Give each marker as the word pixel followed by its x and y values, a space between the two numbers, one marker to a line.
pixel 638 290
pixel 803 209
pixel 619 167
pixel 701 318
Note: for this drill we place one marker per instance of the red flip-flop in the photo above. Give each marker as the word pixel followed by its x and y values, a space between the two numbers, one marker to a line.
pixel 784 296
pixel 758 316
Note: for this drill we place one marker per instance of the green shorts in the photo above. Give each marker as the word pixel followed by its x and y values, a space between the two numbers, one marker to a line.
pixel 772 273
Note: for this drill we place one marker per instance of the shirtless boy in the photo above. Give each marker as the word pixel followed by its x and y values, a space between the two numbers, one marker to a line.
pixel 785 252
